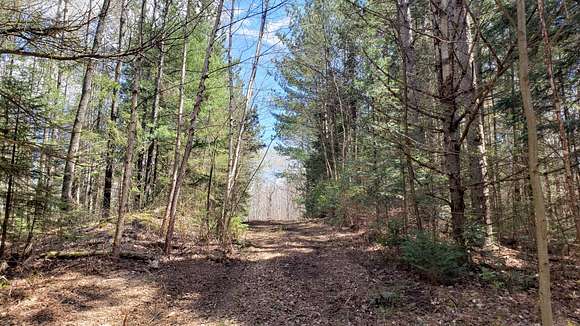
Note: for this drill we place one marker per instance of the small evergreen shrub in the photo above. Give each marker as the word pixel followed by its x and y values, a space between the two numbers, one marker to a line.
pixel 492 277
pixel 395 234
pixel 440 261
pixel 338 201
pixel 389 234
pixel 474 235
pixel 511 279
pixel 520 280
pixel 237 227
pixel 323 200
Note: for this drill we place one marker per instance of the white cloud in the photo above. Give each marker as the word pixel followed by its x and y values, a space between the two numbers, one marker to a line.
pixel 272 28
pixel 276 25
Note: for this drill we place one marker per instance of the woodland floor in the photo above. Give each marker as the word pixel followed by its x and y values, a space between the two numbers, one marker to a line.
pixel 291 273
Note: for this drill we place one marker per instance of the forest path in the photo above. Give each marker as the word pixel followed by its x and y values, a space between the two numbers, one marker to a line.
pixel 288 273
pixel 284 273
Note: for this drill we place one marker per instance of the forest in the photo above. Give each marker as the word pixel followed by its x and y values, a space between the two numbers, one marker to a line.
pixel 289 162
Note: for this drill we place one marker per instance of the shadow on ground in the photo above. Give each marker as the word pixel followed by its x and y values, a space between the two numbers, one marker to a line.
pixel 291 273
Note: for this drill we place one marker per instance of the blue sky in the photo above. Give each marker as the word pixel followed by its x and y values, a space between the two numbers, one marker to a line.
pixel 244 46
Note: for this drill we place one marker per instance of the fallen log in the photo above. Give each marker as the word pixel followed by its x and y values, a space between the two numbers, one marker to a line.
pixel 92 253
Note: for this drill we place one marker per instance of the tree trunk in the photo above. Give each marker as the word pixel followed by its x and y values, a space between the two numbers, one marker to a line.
pixel 467 52
pixel 409 98
pixel 452 148
pixel 178 123
pixel 9 190
pixel 538 198
pixel 231 109
pixel 75 138
pixel 199 98
pixel 131 138
pixel 449 33
pixel 549 205
pixel 208 194
pixel 152 148
pixel 570 189
pixel 110 167
pixel 233 173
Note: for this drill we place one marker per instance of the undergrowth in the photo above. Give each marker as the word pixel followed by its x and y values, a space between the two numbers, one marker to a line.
pixel 438 260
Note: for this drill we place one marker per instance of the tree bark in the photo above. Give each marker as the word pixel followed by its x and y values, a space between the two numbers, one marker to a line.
pixel 538 198
pixel 178 122
pixel 208 205
pixel 199 99
pixel 409 98
pixel 152 148
pixel 570 189
pixel 448 30
pixel 10 187
pixel 75 138
pixel 131 138
pixel 231 109
pixel 468 57
pixel 110 167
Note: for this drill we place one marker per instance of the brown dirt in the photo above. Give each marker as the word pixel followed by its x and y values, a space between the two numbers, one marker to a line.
pixel 292 273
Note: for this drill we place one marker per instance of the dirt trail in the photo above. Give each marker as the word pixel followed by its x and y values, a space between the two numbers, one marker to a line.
pixel 291 273
pixel 287 273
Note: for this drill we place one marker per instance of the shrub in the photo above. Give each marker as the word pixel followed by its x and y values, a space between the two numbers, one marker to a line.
pixel 474 235
pixel 440 261
pixel 389 233
pixel 520 280
pixel 492 277
pixel 323 199
pixel 237 227
pixel 395 235
pixel 339 201
pixel 511 279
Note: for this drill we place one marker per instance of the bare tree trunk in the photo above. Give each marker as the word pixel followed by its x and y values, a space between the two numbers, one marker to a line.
pixel 570 189
pixel 495 176
pixel 75 138
pixel 448 29
pixel 332 143
pixel 10 190
pixel 131 138
pixel 140 166
pixel 549 206
pixel 152 149
pixel 110 168
pixel 405 199
pixel 409 97
pixel 468 57
pixel 171 206
pixel 233 173
pixel 516 195
pixel 323 138
pixel 231 109
pixel 538 198
pixel 208 194
pixel 179 122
